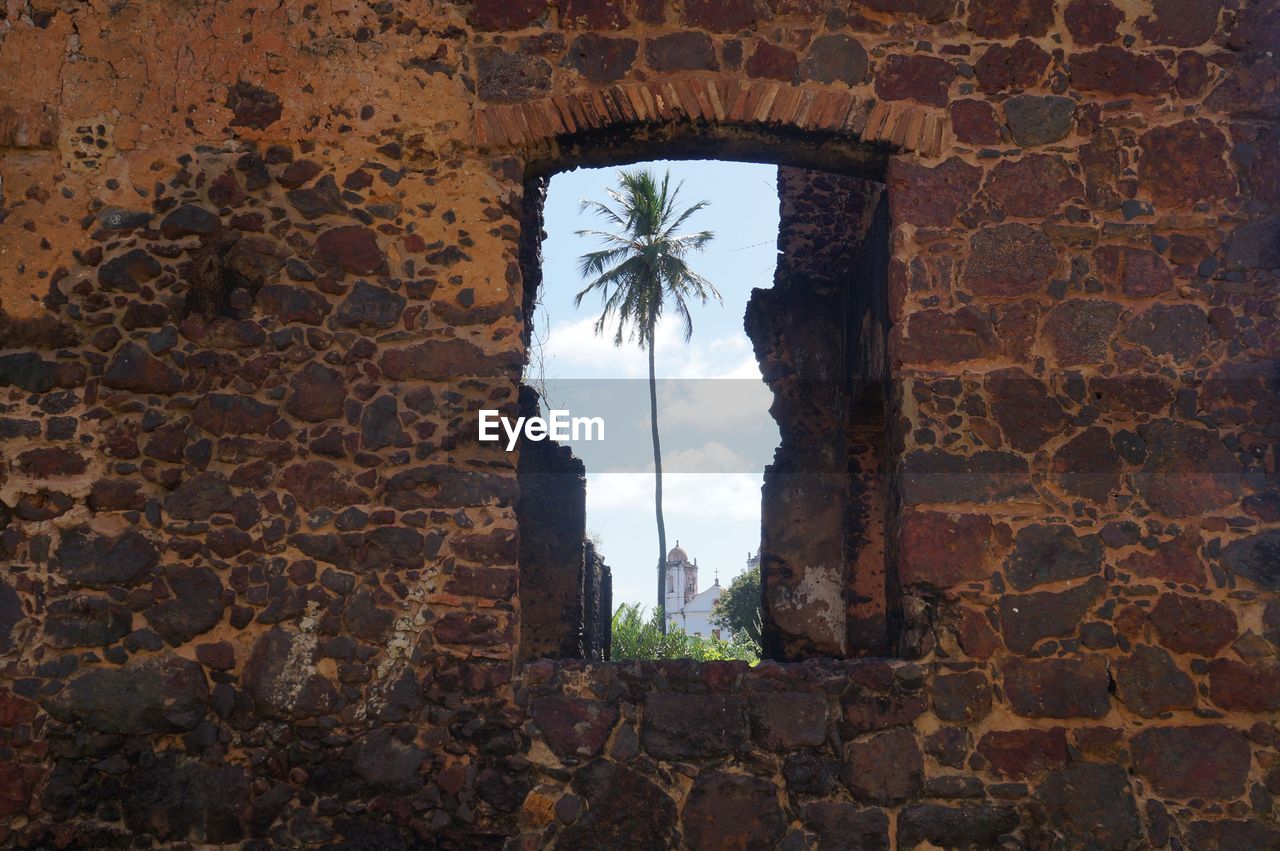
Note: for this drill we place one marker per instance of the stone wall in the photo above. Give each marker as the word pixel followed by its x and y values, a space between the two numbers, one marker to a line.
pixel 259 268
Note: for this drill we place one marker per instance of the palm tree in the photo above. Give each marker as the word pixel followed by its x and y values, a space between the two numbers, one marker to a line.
pixel 641 266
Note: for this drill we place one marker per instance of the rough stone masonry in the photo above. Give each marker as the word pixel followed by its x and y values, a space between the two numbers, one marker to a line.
pixel 261 263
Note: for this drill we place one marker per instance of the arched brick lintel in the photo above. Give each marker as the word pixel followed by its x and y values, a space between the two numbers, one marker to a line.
pixel 906 127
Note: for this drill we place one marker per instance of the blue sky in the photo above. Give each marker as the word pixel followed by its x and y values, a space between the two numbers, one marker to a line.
pixel 713 408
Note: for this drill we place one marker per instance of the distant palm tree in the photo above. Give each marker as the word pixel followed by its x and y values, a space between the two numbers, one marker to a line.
pixel 640 267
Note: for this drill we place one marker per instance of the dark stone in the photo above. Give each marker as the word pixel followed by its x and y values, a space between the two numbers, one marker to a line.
pixel 1025 409
pixel 1088 465
pixel 1091 806
pixel 393 547
pixel 732 811
pixel 438 360
pixel 170 798
pixel 1007 18
pixel 684 726
pixel 505 14
pixel 83 621
pixel 199 497
pixel 159 694
pixel 1193 625
pixel 602 59
pixel 1181 23
pixel 1173 561
pixel 503 77
pixel 625 811
pixel 98 561
pixel 1255 245
pixel 1209 761
pixel 926 79
pixel 943 550
pixel 1178 330
pixel 1024 753
pixel 964 697
pixel 1235 686
pixel 1045 552
pixel 48 462
pixel 1034 186
pixel 835 59
pixel 721 15
pixel 574 727
pixel 842 826
pixel 866 712
pixel 225 413
pixel 1092 21
pixel 1187 471
pixel 254 106
pixel 788 720
pixel 352 248
pixel 954 827
pixel 320 484
pixel 682 51
pixel 1249 91
pixel 1058 688
pixel 387 760
pixel 1009 260
pixel 1232 834
pixel 932 475
pixel 1183 163
pixel 128 271
pixel 33 373
pixel 1019 66
pixel 298 174
pixel 438 485
pixel 593 15
pixel 11 614
pixel 1116 71
pixel 1256 558
pixel 292 304
pixel 281 677
pixel 325 198
pixel 974 122
pixel 806 773
pixel 1027 619
pixel 371 307
pixel 195 607
pixel 380 425
pixel 318 393
pixel 931 196
pixel 1149 683
pixel 936 336
pixel 772 62
pixel 1133 271
pixel 190 220
pixel 1035 120
pixel 135 370
pixel 885 767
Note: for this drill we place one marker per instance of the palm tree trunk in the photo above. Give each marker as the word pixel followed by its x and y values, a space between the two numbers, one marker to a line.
pixel 657 489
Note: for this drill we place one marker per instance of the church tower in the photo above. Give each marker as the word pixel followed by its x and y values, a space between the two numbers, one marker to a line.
pixel 680 573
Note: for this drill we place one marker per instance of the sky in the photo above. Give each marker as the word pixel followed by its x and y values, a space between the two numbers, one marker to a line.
pixel 716 432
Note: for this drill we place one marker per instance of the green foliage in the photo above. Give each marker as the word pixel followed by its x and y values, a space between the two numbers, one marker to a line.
pixel 644 261
pixel 738 609
pixel 635 637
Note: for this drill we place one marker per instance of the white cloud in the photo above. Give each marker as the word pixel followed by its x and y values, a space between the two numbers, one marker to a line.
pixel 731 496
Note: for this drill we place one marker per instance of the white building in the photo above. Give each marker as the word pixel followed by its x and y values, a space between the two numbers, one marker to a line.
pixel 688 608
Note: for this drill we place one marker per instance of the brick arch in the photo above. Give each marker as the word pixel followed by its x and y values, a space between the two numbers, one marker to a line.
pixel 727 102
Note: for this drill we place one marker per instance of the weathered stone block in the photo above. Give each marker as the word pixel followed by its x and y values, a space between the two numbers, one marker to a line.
pixel 1208 761
pixel 686 726
pixel 732 811
pixel 1058 688
pixel 885 767
pixel 160 694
